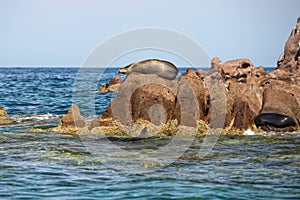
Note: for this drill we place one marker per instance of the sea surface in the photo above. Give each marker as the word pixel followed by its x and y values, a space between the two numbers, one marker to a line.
pixel 39 165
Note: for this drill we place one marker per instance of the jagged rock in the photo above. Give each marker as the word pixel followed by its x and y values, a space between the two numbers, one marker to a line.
pixel 72 120
pixel 239 69
pixel 244 93
pixel 239 115
pixel 250 91
pixel 289 61
pixel 199 92
pixel 112 86
pixel 230 95
pixel 215 112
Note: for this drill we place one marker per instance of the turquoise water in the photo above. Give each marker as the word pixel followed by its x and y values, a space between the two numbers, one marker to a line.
pixel 52 165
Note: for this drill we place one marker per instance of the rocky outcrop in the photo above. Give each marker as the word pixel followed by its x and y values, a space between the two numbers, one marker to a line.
pixel 239 69
pixel 289 61
pixel 143 96
pixel 112 86
pixel 199 91
pixel 71 121
pixel 230 95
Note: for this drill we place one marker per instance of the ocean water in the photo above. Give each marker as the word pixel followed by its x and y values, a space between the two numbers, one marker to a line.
pixel 51 165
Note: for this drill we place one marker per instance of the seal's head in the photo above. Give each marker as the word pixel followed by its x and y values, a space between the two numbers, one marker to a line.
pixel 122 71
pixel 125 70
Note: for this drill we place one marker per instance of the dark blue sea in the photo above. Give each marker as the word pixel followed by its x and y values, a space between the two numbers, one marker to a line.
pixel 50 165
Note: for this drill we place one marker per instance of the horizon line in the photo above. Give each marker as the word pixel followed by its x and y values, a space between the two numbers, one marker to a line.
pixel 78 66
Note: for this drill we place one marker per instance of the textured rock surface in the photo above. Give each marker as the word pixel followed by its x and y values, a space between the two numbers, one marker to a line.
pixel 112 86
pixel 281 102
pixel 143 96
pixel 289 61
pixel 198 87
pixel 72 119
pixel 230 95
pixel 239 69
pixel 153 102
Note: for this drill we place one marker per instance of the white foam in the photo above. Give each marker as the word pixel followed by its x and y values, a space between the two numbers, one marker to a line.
pixel 248 132
pixel 20 118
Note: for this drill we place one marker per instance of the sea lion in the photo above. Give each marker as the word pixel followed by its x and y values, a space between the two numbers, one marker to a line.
pixel 163 69
pixel 272 121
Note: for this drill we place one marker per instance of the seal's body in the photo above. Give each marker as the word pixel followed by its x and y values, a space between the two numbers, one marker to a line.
pixel 273 120
pixel 163 69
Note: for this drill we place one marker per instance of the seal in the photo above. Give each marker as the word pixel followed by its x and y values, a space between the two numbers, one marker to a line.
pixel 271 121
pixel 163 69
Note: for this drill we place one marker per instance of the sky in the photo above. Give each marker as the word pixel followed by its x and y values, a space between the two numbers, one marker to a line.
pixel 63 33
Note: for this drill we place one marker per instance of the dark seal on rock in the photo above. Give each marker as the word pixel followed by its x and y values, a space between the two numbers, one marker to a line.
pixel 163 69
pixel 271 121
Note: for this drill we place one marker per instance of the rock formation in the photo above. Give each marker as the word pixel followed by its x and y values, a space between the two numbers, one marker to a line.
pixel 143 96
pixel 112 86
pixel 229 96
pixel 71 121
pixel 289 61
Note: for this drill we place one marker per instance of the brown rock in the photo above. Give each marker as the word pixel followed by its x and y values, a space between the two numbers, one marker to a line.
pixel 239 69
pixel 215 109
pixel 111 86
pixel 199 91
pixel 239 115
pixel 281 102
pixel 107 113
pixel 288 85
pixel 250 91
pixel 3 112
pixel 143 96
pixel 93 124
pixel 153 102
pixel 289 61
pixel 72 119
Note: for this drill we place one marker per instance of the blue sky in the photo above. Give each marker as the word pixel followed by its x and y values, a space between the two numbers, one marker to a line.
pixel 64 32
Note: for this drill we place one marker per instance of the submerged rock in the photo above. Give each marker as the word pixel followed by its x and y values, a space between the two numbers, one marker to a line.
pixel 3 112
pixel 4 118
